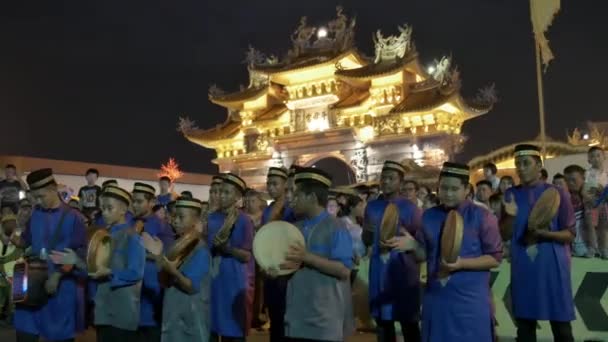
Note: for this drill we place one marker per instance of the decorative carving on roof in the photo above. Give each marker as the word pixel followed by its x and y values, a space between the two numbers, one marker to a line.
pixel 442 69
pixel 338 36
pixel 216 91
pixel 596 135
pixel 576 138
pixel 254 56
pixel 486 95
pixel 393 47
pixel 185 125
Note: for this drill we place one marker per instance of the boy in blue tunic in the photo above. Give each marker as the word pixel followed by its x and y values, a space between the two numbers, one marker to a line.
pixel 231 235
pixel 275 288
pixel 318 300
pixel 118 293
pixel 151 297
pixel 186 301
pixel 457 305
pixel 540 259
pixel 52 226
pixel 394 277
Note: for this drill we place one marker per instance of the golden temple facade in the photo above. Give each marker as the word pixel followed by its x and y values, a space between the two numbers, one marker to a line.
pixel 326 99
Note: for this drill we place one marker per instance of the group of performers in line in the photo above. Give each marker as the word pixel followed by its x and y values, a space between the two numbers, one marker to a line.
pixel 208 295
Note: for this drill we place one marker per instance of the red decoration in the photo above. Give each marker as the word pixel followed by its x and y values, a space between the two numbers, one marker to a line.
pixel 171 170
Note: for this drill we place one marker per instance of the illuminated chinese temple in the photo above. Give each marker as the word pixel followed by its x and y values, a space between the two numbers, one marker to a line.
pixel 325 99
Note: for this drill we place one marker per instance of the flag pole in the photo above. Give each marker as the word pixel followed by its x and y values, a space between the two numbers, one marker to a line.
pixel 541 102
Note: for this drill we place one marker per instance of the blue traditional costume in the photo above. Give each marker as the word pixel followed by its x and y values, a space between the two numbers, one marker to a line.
pixel 232 279
pixel 540 273
pixel 52 229
pixel 318 305
pixel 459 309
pixel 117 300
pixel 186 315
pixel 394 277
pixel 276 288
pixel 151 295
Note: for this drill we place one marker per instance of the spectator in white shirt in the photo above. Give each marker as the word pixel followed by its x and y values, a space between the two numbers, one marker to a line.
pixel 489 172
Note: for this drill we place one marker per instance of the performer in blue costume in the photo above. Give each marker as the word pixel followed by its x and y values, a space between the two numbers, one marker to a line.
pixel 457 304
pixel 117 301
pixel 186 300
pixel 151 295
pixel 275 288
pixel 318 300
pixel 540 261
pixel 52 226
pixel 394 277
pixel 231 237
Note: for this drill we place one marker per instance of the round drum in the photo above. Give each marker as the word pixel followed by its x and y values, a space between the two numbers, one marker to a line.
pixel 544 210
pixel 99 250
pixel 272 242
pixel 451 237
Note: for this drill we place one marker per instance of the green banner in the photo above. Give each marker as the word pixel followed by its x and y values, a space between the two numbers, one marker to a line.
pixel 589 286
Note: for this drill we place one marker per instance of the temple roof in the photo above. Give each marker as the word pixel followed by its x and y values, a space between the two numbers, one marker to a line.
pixel 207 137
pixel 354 98
pixel 309 61
pixel 373 70
pixel 272 113
pixel 238 97
pixel 553 147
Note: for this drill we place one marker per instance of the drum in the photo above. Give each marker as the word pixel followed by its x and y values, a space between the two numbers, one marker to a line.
pixel 451 237
pixel 389 224
pixel 272 242
pixel 178 253
pixel 29 278
pixel 544 210
pixel 99 250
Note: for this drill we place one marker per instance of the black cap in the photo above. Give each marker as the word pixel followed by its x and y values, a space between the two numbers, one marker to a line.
pixel 117 193
pixel 314 175
pixel 526 150
pixel 144 188
pixel 235 180
pixel 455 170
pixel 40 178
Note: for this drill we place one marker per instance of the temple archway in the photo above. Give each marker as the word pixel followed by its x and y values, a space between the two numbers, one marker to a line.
pixel 340 171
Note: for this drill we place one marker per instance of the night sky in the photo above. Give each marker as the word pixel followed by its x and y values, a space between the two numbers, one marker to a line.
pixel 105 81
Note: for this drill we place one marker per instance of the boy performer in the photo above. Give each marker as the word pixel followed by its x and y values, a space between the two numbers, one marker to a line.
pixel 394 277
pixel 52 226
pixel 151 296
pixel 318 301
pixel 457 305
pixel 231 237
pixel 117 301
pixel 540 261
pixel 186 302
pixel 275 288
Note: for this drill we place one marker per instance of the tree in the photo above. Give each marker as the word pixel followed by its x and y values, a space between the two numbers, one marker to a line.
pixel 171 170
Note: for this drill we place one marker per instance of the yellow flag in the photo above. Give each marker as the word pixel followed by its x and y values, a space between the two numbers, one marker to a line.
pixel 542 13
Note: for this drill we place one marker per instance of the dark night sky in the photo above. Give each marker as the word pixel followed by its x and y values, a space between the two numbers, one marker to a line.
pixel 106 81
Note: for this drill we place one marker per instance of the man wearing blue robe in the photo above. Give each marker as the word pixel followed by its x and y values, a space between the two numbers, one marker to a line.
pixel 151 295
pixel 394 277
pixel 230 233
pixel 275 288
pixel 540 258
pixel 457 305
pixel 52 226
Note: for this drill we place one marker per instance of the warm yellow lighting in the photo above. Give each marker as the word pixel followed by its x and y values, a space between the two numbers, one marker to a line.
pixel 316 101
pixel 258 103
pixel 449 107
pixel 322 32
pixel 318 124
pixel 366 133
pixel 396 78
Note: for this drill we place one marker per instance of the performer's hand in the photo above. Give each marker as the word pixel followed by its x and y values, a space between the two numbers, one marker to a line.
pixel 152 244
pixel 288 265
pixel 451 267
pixel 67 257
pixel 510 205
pixel 102 272
pixel 52 283
pixel 296 253
pixel 401 243
pixel 167 265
